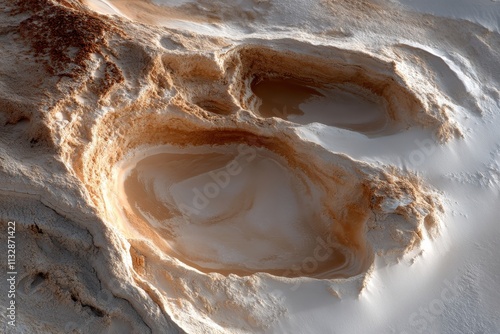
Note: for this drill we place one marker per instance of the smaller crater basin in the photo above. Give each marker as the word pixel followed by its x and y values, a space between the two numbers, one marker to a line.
pixel 344 106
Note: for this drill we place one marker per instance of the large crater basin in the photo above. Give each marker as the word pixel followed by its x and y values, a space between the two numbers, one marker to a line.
pixel 231 209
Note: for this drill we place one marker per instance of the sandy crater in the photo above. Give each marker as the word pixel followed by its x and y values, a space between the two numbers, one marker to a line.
pixel 150 173
pixel 188 148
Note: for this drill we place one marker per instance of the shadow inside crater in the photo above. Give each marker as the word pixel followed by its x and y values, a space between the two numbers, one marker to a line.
pixel 343 106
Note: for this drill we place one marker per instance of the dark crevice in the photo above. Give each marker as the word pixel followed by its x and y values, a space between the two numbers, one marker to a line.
pixel 97 312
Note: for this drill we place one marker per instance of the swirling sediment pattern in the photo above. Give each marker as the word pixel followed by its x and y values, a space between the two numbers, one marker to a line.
pixel 234 210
